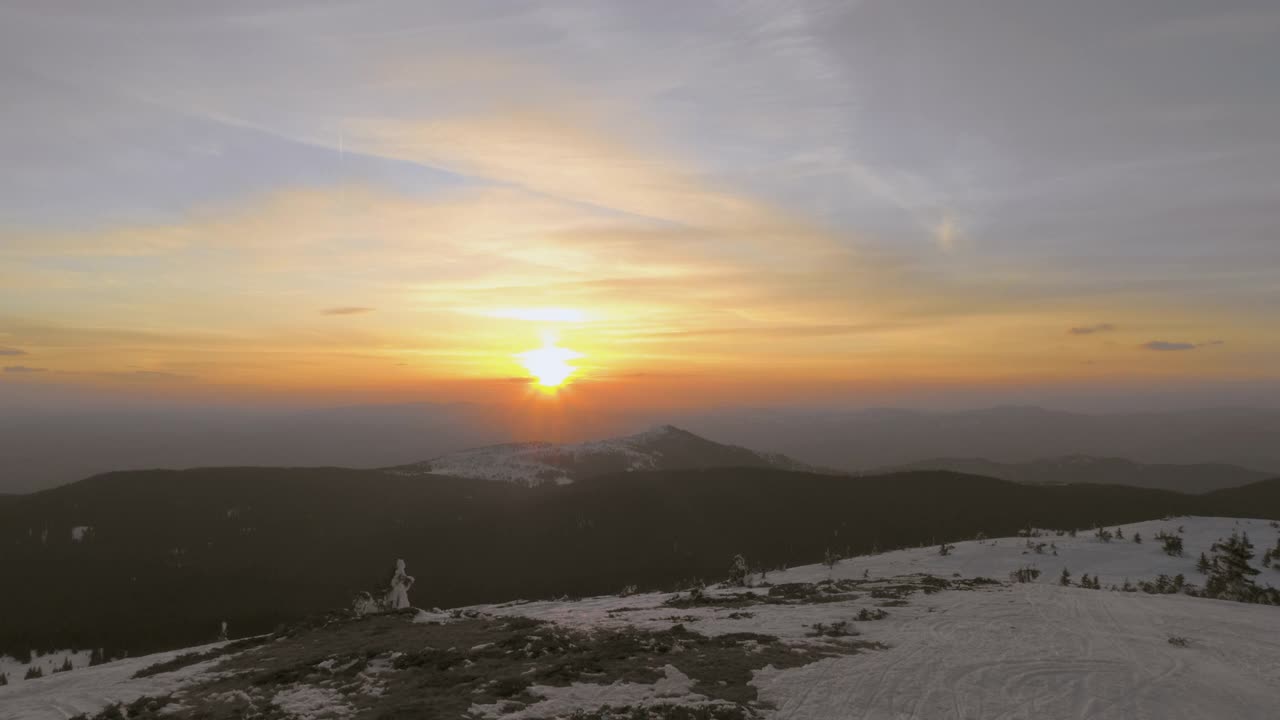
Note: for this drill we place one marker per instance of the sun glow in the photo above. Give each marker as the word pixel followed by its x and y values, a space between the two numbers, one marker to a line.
pixel 544 314
pixel 549 364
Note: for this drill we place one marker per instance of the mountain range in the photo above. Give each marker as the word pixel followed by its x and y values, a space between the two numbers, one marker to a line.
pixel 33 443
pixel 665 447
pixel 1073 469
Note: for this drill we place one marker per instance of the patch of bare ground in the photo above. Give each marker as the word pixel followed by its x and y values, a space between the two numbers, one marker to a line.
pixel 387 666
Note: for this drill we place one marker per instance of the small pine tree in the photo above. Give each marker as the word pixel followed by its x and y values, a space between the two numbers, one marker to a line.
pixel 66 665
pixel 33 672
pixel 97 658
pixel 4 679
pixel 1084 581
pixel 1119 533
pixel 1172 544
pixel 1202 565
pixel 1232 575
pixel 1137 538
pixel 1065 579
pixel 944 549
pixel 1071 532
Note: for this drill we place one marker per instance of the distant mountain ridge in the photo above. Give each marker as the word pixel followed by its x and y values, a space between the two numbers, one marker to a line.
pixel 1075 469
pixel 664 447
pixel 863 440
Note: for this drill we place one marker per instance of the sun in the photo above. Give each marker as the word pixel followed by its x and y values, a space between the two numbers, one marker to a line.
pixel 549 364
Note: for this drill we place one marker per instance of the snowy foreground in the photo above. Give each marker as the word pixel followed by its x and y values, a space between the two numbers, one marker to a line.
pixel 972 650
pixel 89 689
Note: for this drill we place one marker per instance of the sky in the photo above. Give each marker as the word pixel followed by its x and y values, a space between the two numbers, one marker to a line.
pixel 699 203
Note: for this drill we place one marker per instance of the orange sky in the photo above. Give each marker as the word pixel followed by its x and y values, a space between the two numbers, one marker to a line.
pixel 312 204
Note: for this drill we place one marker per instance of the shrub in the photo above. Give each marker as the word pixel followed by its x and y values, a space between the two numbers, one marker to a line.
pixel 830 559
pixel 945 549
pixel 364 603
pixel 1172 544
pixel 1164 585
pixel 738 571
pixel 1137 538
pixel 1103 534
pixel 1065 579
pixel 866 615
pixel 839 628
pixel 1024 574
pixel 1178 641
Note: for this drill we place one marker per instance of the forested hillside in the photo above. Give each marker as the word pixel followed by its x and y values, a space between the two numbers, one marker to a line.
pixel 140 561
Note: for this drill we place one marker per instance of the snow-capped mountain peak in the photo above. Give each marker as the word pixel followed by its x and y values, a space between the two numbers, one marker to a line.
pixel 664 447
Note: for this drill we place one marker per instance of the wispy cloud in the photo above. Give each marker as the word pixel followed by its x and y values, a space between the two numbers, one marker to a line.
pixel 12 352
pixel 347 310
pixel 149 376
pixel 788 331
pixel 23 369
pixel 1164 346
pixel 1091 329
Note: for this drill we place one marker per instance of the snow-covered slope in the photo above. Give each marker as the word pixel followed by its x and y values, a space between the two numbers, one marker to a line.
pixel 534 463
pixel 89 689
pixel 807 643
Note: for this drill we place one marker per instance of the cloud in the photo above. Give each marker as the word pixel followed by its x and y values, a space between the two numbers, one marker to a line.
pixel 8 351
pixel 1164 346
pixel 789 331
pixel 149 376
pixel 347 310
pixel 1091 329
pixel 569 157
pixel 23 369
